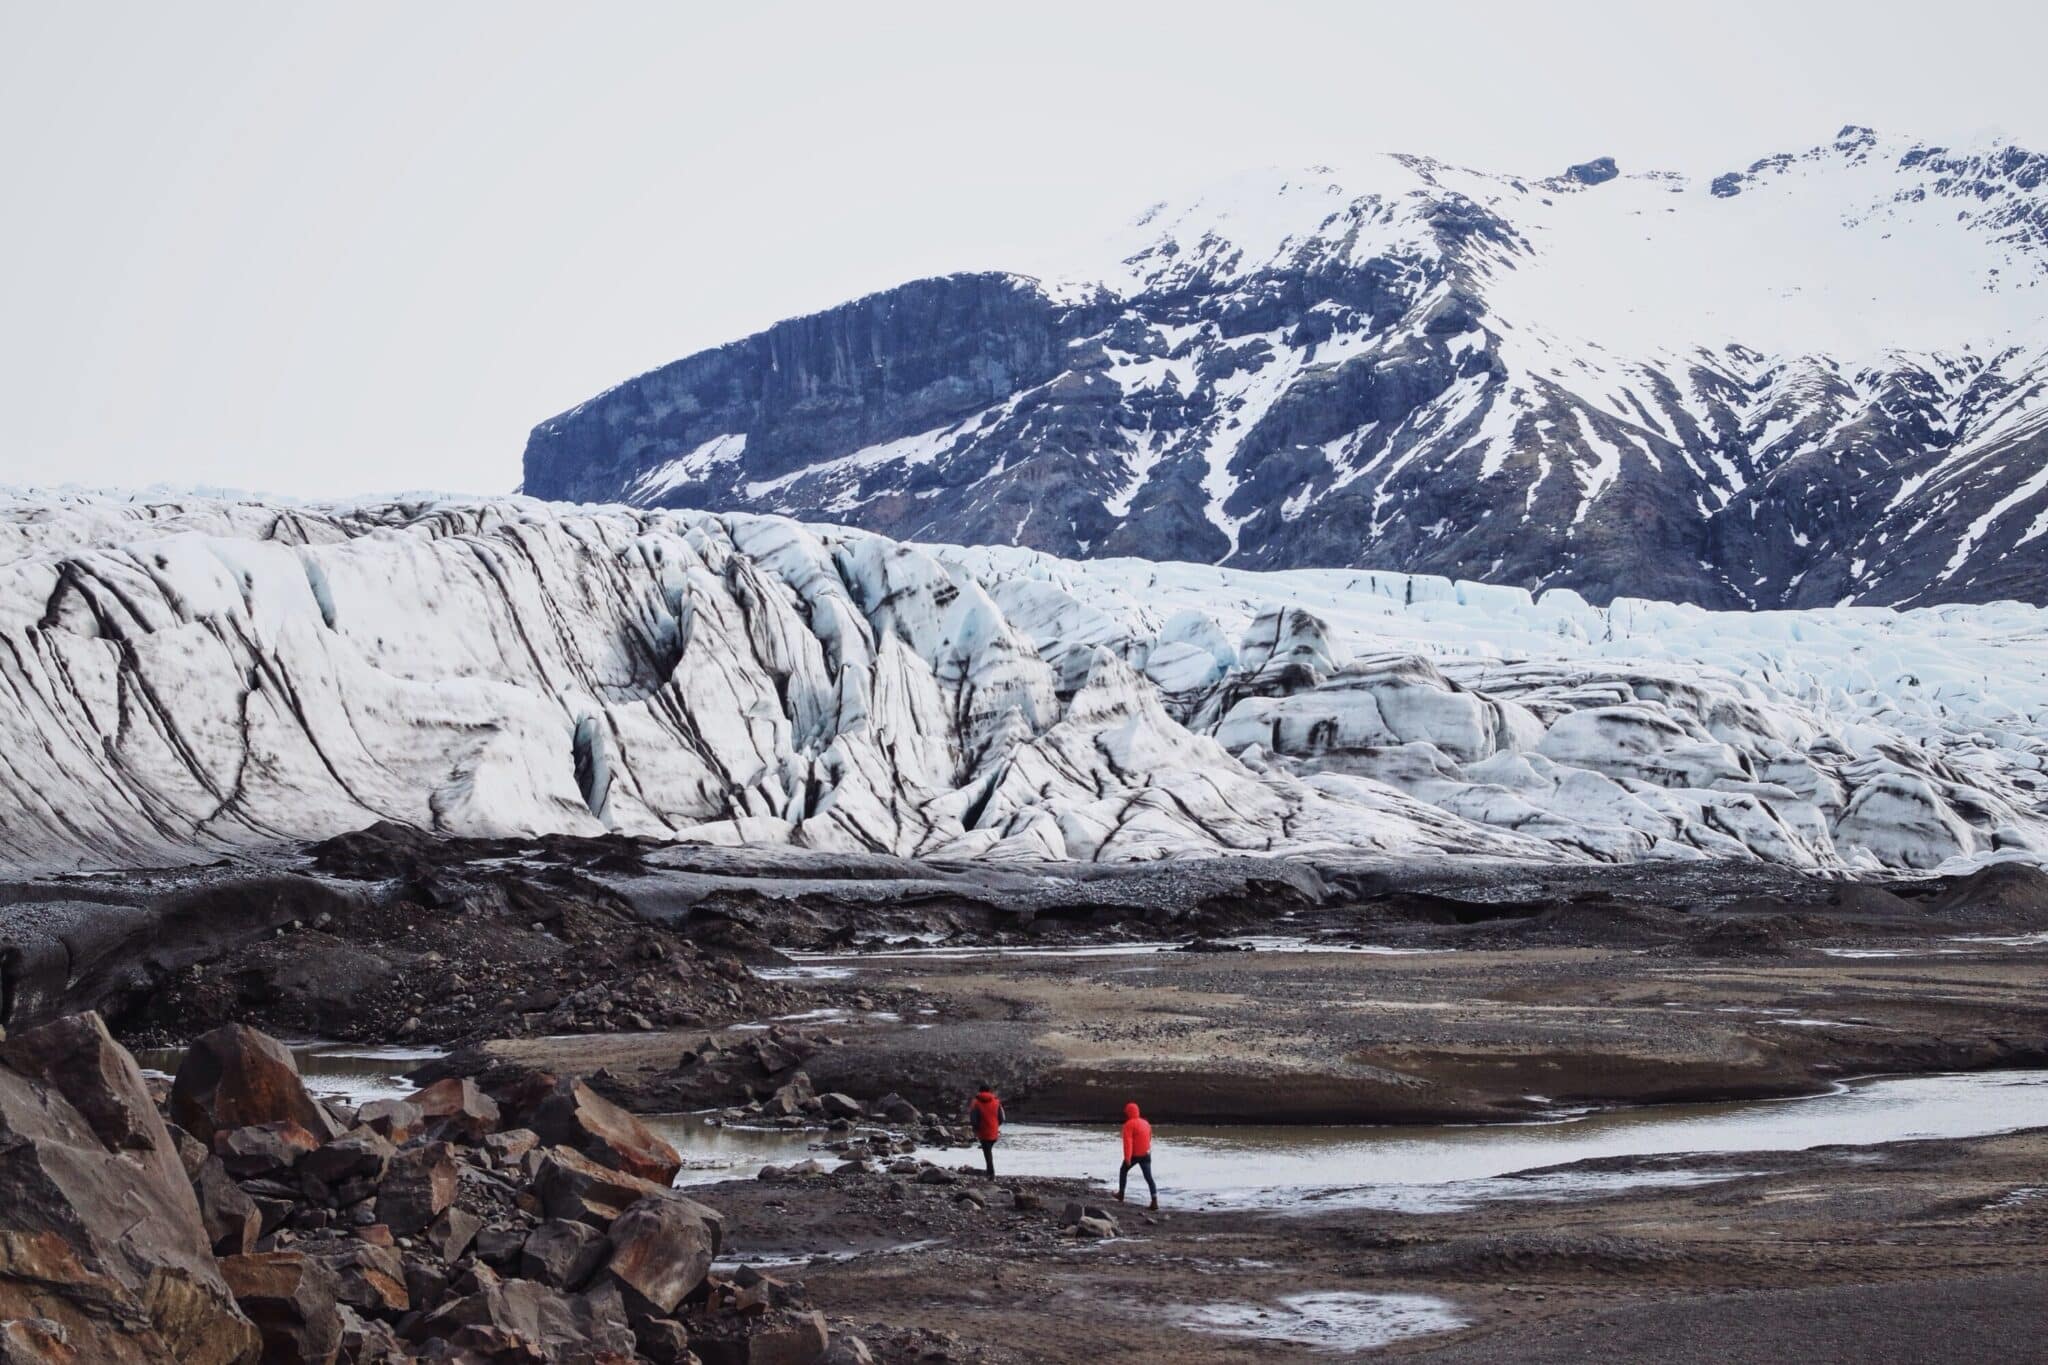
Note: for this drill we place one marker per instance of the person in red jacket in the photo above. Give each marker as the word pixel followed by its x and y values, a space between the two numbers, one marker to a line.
pixel 1137 1152
pixel 985 1114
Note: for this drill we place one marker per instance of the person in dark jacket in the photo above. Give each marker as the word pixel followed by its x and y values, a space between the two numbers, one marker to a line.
pixel 1137 1152
pixel 985 1115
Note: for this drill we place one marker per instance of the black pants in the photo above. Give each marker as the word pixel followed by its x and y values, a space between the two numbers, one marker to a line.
pixel 1144 1165
pixel 988 1154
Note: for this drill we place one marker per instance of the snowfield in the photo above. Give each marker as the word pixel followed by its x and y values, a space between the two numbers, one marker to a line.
pixel 184 678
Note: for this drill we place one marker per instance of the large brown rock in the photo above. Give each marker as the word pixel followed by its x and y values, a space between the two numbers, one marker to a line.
pixel 396 1120
pixel 230 1217
pixel 359 1154
pixel 563 1254
pixel 367 1341
pixel 419 1183
pixel 661 1248
pixel 235 1077
pixel 572 1186
pixel 451 1233
pixel 508 1316
pixel 368 1278
pixel 79 1059
pixel 291 1298
pixel 454 1108
pixel 574 1115
pixel 104 1239
pixel 263 1151
pixel 785 1337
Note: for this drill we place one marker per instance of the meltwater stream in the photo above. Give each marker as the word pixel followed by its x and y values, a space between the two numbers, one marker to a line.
pixel 1415 1168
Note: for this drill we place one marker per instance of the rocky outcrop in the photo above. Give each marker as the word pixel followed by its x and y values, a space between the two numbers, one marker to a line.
pixel 865 373
pixel 342 1250
pixel 100 1230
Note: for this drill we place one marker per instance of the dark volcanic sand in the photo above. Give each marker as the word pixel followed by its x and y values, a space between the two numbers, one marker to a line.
pixel 1836 1254
pixel 1579 985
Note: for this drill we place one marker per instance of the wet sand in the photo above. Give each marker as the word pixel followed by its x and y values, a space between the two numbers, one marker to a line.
pixel 1872 1252
pixel 1864 1254
pixel 1345 1037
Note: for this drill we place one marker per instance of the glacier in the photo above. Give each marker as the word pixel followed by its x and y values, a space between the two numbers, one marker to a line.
pixel 183 678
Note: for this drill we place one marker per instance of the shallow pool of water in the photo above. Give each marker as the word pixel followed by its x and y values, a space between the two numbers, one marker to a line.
pixel 1412 1167
pixel 1333 1321
pixel 840 966
pixel 354 1073
pixel 1417 1166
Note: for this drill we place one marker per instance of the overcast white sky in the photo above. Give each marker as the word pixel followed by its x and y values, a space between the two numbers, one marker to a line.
pixel 357 247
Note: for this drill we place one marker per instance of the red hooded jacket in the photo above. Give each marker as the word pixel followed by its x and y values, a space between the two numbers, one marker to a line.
pixel 988 1116
pixel 1137 1134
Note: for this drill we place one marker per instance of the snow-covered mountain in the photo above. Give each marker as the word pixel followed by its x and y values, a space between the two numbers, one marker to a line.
pixel 179 679
pixel 1821 378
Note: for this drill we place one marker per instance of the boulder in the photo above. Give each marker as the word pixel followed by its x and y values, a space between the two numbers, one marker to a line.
pixel 563 1254
pixel 362 1153
pixel 500 1244
pixel 79 1059
pixel 509 1146
pixel 292 1299
pixel 369 1279
pixel 426 1282
pixel 419 1183
pixel 509 1316
pixel 573 1115
pixel 838 1106
pixel 230 1217
pixel 573 1187
pixel 896 1109
pixel 263 1151
pixel 451 1233
pixel 780 1338
pixel 104 1240
pixel 366 1341
pixel 395 1120
pixel 235 1077
pixel 661 1249
pixel 455 1109
pixel 192 1153
pixel 661 1340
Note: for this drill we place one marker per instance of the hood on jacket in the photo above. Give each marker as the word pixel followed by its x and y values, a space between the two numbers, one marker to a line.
pixel 1131 1110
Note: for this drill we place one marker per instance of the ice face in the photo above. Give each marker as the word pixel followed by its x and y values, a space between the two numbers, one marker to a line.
pixel 180 679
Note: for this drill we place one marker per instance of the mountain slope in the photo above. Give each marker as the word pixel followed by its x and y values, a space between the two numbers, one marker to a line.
pixel 1822 378
pixel 183 679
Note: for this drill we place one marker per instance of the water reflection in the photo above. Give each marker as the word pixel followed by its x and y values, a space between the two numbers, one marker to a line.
pixel 1407 1167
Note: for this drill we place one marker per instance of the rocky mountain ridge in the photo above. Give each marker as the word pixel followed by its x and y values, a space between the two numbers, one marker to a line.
pixel 1820 378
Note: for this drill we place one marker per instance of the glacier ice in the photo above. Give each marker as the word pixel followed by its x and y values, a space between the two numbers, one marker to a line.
pixel 187 677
